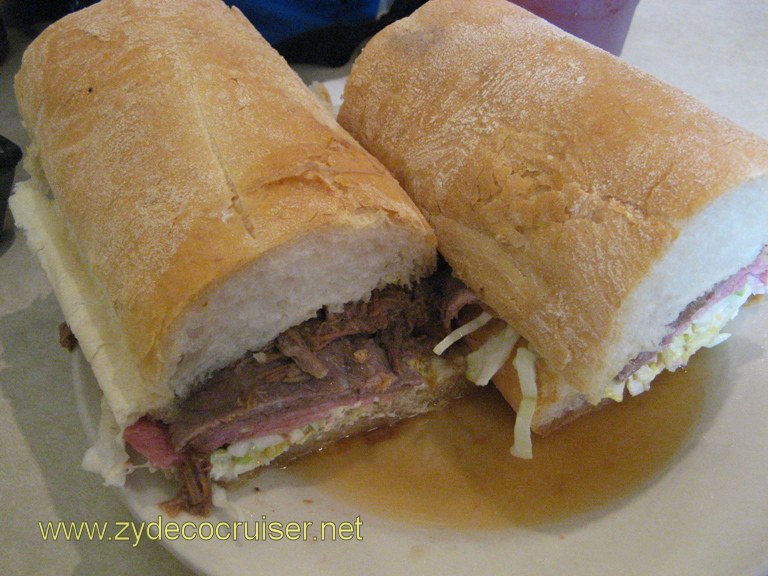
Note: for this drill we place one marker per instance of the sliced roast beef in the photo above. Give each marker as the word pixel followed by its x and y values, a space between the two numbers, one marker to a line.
pixel 758 269
pixel 239 403
pixel 635 364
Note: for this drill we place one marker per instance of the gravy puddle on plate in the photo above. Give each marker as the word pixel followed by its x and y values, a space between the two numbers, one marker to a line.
pixel 452 468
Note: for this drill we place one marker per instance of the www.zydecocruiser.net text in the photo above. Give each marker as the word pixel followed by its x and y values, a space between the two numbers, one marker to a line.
pixel 260 530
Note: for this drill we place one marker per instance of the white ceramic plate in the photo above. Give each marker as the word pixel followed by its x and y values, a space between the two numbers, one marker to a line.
pixel 707 515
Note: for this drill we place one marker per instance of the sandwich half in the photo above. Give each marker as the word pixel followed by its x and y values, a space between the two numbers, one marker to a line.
pixel 610 221
pixel 246 281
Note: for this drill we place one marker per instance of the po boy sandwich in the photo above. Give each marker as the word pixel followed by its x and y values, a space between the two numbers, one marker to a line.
pixel 246 281
pixel 610 221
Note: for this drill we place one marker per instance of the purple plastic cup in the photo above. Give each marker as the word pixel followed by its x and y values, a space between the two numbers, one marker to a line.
pixel 604 23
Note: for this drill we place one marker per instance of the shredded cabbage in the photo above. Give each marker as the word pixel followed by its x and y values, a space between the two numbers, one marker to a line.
pixel 484 362
pixel 525 364
pixel 226 465
pixel 462 331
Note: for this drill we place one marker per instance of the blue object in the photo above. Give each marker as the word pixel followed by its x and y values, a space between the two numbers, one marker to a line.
pixel 278 20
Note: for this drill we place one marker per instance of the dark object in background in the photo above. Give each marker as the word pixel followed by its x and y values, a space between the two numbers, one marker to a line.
pixel 321 32
pixel 334 45
pixel 4 45
pixel 10 154
pixel 26 13
pixel 279 21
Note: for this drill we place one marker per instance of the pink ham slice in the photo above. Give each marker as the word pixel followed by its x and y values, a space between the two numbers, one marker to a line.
pixel 151 439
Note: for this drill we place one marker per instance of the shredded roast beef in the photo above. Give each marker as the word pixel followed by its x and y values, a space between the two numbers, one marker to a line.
pixel 456 296
pixel 333 360
pixel 67 338
pixel 348 357
pixel 195 495
pixel 336 359
pixel 291 343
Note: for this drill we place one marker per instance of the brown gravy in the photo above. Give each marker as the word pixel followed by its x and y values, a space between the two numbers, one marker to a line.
pixel 452 468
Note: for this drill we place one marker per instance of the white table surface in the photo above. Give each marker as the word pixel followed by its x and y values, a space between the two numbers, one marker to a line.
pixel 716 50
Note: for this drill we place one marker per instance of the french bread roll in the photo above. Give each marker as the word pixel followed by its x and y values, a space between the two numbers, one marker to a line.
pixel 212 198
pixel 191 201
pixel 585 202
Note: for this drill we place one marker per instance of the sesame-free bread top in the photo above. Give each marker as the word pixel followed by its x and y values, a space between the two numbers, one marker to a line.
pixel 585 201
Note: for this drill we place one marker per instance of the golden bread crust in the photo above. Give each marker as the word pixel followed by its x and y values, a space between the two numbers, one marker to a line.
pixel 180 148
pixel 554 174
